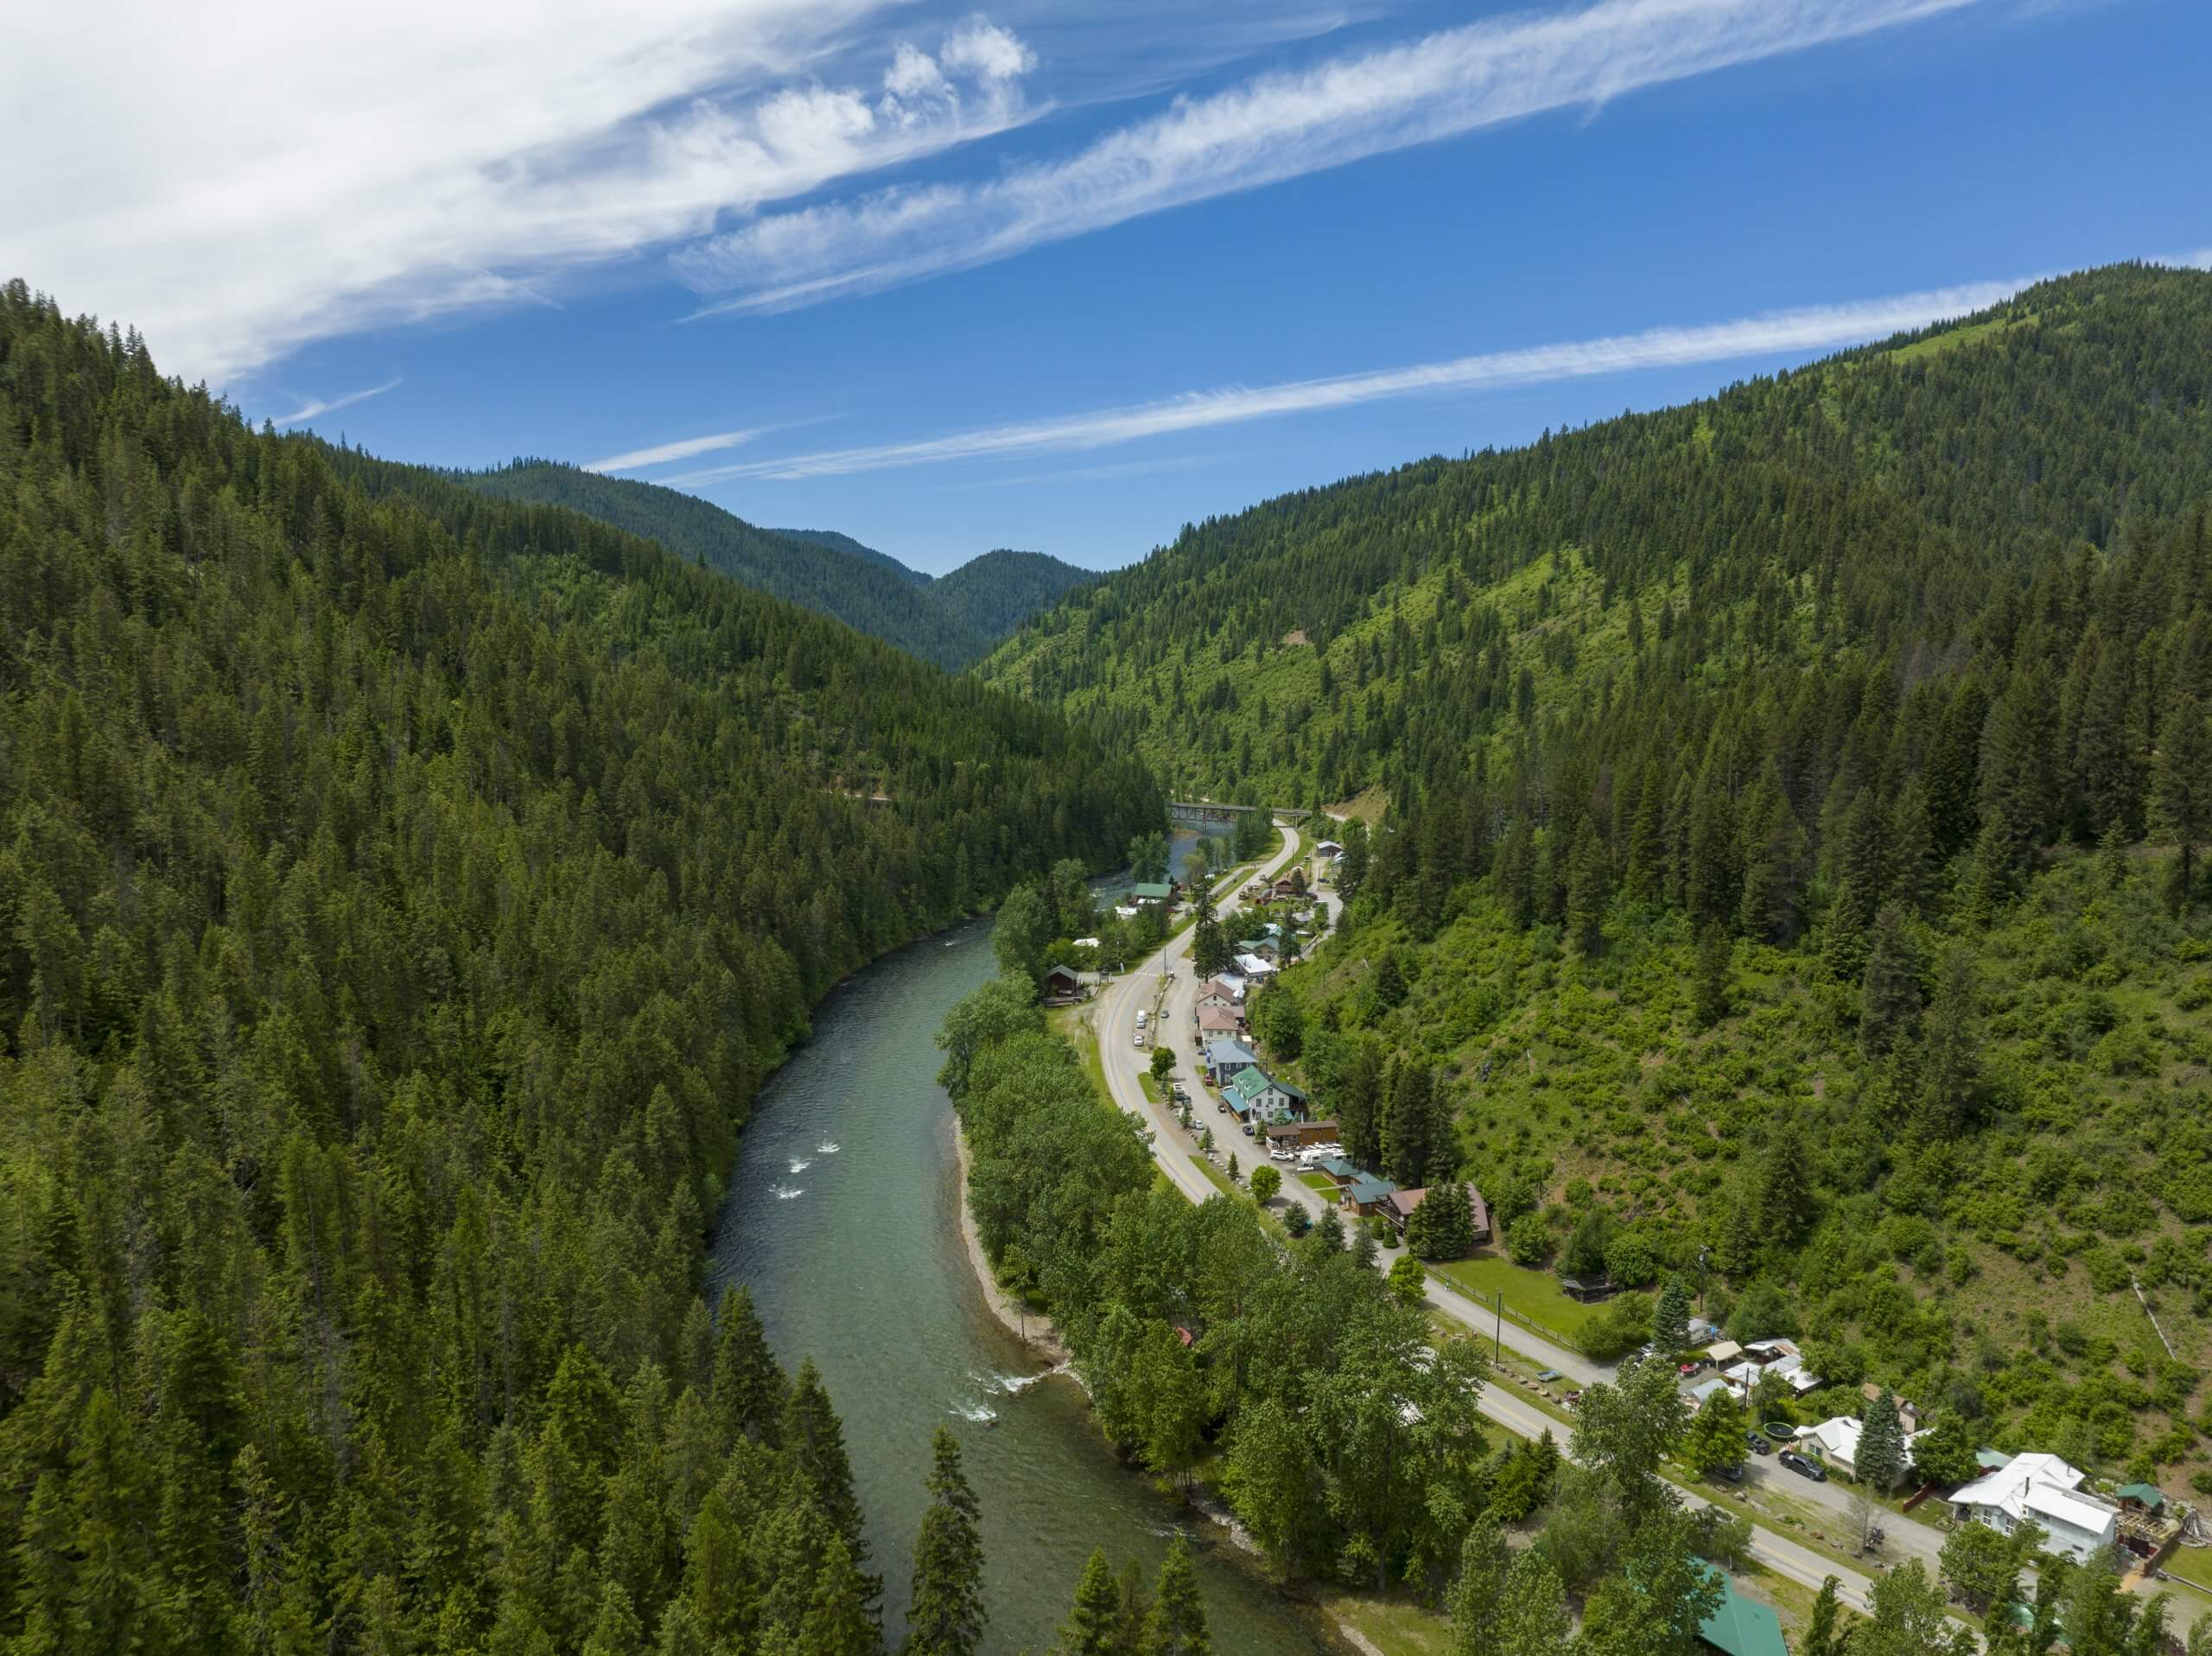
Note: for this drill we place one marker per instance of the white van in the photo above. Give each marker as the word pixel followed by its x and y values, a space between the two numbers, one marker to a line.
pixel 1142 1016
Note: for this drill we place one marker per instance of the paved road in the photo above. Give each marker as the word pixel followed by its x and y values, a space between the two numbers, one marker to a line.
pixel 1170 1004
pixel 1168 1001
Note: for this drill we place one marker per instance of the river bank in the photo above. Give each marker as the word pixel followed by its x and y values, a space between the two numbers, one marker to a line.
pixel 1036 1331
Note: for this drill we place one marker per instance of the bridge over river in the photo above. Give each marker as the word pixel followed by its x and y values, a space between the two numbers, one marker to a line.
pixel 1201 813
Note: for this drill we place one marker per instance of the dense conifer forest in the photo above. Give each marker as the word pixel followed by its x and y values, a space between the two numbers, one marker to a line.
pixel 402 892
pixel 951 621
pixel 1789 853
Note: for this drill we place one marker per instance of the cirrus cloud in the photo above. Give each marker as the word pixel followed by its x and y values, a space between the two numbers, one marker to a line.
pixel 236 190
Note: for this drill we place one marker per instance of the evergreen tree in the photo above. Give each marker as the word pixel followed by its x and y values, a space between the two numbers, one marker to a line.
pixel 1950 1077
pixel 816 1440
pixel 1709 985
pixel 1670 1319
pixel 1827 1631
pixel 1478 1596
pixel 1094 1624
pixel 1587 883
pixel 1881 1458
pixel 946 1615
pixel 1414 1138
pixel 2181 790
pixel 1890 997
pixel 748 1387
pixel 1177 1623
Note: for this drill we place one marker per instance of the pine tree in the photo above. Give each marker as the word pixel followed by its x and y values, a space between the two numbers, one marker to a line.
pixel 1950 1076
pixel 1826 1633
pixel 2018 784
pixel 1647 840
pixel 947 1615
pixel 815 1439
pixel 1772 903
pixel 1709 984
pixel 1889 996
pixel 1177 1623
pixel 2181 790
pixel 1410 1141
pixel 1586 884
pixel 1670 1319
pixel 1094 1624
pixel 1513 874
pixel 1881 1458
pixel 749 1390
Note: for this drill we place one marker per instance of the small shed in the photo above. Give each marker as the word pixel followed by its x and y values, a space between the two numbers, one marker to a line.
pixel 1724 1352
pixel 1063 983
pixel 2140 1498
pixel 1586 1289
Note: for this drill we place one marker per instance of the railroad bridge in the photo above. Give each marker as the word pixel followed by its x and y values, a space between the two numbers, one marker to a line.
pixel 1204 813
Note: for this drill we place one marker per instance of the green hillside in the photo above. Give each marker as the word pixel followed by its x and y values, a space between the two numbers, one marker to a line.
pixel 837 542
pixel 866 591
pixel 951 622
pixel 402 892
pixel 1794 856
pixel 994 595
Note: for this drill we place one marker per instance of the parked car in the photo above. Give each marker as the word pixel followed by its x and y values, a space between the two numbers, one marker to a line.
pixel 1221 1104
pixel 1729 1473
pixel 1180 1094
pixel 1804 1466
pixel 1759 1445
pixel 1247 1129
pixel 1139 1040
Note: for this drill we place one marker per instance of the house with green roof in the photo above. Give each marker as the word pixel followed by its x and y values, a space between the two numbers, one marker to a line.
pixel 1740 1625
pixel 1152 891
pixel 1254 1096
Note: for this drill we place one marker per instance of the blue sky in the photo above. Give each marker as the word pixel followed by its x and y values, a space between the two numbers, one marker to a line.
pixel 1061 278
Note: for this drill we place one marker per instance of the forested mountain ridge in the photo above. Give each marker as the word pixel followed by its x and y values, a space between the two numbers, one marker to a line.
pixel 1352 635
pixel 995 594
pixel 402 894
pixel 1794 870
pixel 837 541
pixel 951 622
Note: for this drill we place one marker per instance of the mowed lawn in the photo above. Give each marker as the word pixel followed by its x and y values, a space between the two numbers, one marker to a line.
pixel 1535 1294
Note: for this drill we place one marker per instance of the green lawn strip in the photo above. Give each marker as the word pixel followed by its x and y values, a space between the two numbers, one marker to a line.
pixel 1534 1297
pixel 1321 1182
pixel 2190 1564
pixel 1395 1626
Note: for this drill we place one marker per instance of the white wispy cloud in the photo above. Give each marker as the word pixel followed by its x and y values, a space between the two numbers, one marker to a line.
pixel 234 191
pixel 1804 330
pixel 315 408
pixel 1268 129
pixel 637 459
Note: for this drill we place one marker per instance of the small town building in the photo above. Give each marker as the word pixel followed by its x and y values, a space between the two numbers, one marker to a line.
pixel 1328 848
pixel 1292 1135
pixel 1264 949
pixel 1252 967
pixel 1586 1289
pixel 1226 1057
pixel 1369 1194
pixel 1740 1625
pixel 1219 1020
pixel 1339 1169
pixel 1402 1204
pixel 1254 1095
pixel 1221 992
pixel 2045 1490
pixel 1063 985
pixel 1838 1440
pixel 1153 891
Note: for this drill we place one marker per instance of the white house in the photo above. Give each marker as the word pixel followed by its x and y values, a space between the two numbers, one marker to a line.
pixel 1252 967
pixel 2045 1490
pixel 1837 1442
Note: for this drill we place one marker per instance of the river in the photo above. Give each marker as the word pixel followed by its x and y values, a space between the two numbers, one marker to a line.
pixel 855 1258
